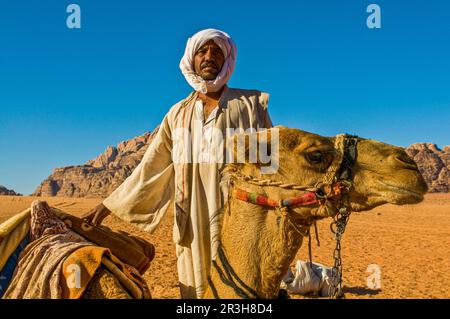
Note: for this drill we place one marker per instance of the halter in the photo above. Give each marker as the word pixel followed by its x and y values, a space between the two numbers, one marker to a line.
pixel 335 185
pixel 322 194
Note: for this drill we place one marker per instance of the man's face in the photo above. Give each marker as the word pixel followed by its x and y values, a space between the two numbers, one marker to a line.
pixel 208 61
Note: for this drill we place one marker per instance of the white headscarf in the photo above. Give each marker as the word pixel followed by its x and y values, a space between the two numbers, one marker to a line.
pixel 194 43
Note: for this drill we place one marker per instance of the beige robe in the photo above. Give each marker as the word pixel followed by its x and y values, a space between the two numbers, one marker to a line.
pixel 173 168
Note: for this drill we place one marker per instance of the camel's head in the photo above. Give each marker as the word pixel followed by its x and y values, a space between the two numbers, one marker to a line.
pixel 382 173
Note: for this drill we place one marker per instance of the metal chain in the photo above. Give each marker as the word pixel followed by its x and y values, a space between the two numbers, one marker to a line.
pixel 339 223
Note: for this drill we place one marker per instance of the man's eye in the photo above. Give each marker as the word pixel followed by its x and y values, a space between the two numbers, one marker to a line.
pixel 315 157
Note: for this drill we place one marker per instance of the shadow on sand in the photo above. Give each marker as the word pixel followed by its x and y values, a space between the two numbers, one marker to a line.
pixel 361 291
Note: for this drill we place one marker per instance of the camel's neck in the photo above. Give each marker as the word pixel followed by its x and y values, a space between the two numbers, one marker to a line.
pixel 259 245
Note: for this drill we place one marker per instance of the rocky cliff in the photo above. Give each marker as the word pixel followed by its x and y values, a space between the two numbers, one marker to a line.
pixel 434 164
pixel 101 175
pixel 9 192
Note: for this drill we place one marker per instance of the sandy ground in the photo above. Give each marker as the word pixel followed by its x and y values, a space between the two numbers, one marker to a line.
pixel 409 244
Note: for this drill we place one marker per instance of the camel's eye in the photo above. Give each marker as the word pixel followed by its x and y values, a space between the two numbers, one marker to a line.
pixel 316 157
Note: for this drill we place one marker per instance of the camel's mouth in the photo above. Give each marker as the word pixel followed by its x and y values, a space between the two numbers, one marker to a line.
pixel 401 195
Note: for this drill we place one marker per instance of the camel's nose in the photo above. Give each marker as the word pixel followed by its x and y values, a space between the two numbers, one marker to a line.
pixel 402 159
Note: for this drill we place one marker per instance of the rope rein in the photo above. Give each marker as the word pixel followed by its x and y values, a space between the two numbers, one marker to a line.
pixel 229 278
pixel 268 182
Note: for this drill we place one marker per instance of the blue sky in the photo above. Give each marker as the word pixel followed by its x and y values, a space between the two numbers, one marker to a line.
pixel 66 94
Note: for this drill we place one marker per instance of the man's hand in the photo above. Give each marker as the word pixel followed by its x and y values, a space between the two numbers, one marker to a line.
pixel 96 215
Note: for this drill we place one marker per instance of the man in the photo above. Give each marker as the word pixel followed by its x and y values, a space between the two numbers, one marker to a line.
pixel 170 171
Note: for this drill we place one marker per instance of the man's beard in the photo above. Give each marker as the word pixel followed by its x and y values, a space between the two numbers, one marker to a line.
pixel 207 76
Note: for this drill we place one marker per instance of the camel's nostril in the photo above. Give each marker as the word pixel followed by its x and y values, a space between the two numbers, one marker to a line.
pixel 405 160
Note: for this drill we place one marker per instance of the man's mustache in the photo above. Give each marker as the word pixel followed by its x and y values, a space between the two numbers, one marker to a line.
pixel 209 64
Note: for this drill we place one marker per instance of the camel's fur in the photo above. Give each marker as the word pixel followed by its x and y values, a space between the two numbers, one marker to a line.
pixel 260 246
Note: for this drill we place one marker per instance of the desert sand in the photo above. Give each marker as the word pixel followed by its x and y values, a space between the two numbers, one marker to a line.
pixel 410 244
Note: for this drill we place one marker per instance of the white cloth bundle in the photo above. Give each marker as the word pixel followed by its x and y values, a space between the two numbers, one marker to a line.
pixel 315 280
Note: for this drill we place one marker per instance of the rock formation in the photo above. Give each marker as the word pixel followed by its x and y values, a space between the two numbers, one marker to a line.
pixel 9 192
pixel 99 176
pixel 434 164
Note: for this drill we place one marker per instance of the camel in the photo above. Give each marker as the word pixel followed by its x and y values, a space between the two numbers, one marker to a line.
pixel 259 242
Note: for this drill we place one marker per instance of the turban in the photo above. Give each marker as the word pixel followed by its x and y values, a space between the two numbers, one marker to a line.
pixel 194 43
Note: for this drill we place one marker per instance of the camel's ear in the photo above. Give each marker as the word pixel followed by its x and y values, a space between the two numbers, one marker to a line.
pixel 253 147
